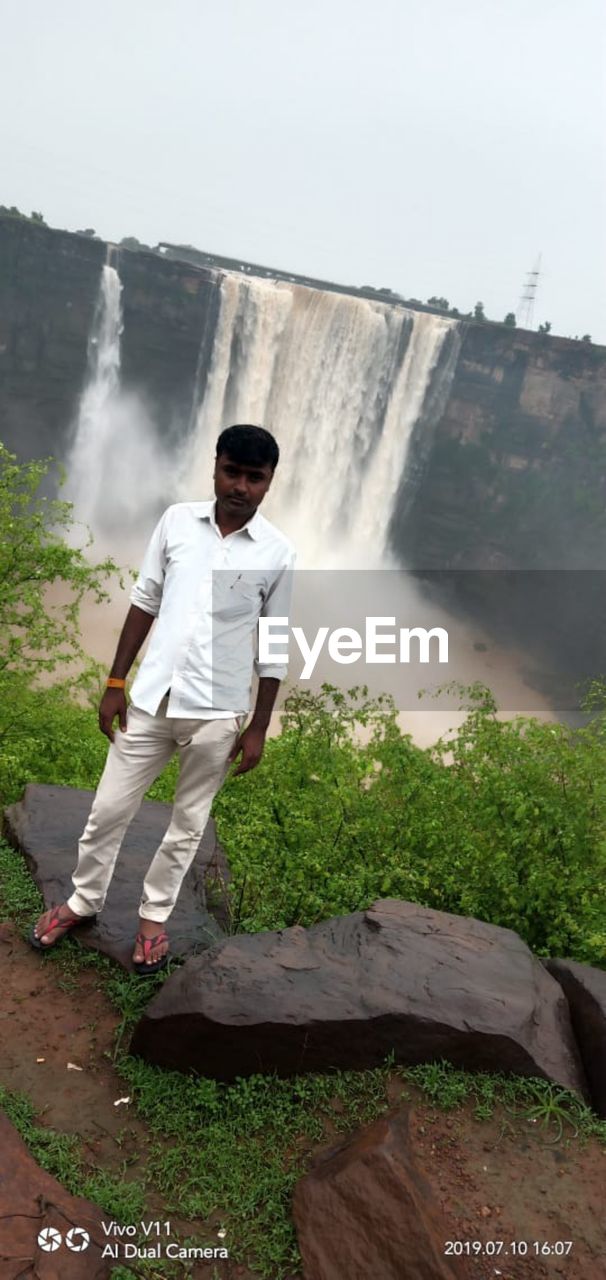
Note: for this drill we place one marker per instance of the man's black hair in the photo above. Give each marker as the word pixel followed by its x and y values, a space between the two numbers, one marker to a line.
pixel 251 446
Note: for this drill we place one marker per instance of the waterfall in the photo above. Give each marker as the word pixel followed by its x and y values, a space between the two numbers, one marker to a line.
pixel 340 381
pixel 90 458
pixel 119 476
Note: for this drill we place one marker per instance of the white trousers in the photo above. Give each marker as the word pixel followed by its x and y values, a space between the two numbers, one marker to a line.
pixel 134 760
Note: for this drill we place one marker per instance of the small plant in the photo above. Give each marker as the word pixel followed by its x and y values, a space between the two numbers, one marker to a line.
pixel 553 1105
pixel 441 1082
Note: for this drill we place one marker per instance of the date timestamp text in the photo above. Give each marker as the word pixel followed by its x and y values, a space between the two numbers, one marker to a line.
pixel 509 1248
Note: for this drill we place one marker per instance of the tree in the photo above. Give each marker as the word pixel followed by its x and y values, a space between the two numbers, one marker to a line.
pixel 586 337
pixel 478 312
pixel 88 231
pixel 12 211
pixel 510 320
pixel 545 328
pixel 35 636
pixel 131 242
pixel 441 303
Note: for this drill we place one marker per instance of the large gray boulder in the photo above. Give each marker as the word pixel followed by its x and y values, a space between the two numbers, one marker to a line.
pixel 365 1209
pixel 346 992
pixel 585 989
pixel 46 824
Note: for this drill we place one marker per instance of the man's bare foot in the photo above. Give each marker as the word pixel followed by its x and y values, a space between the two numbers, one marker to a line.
pixel 63 918
pixel 150 929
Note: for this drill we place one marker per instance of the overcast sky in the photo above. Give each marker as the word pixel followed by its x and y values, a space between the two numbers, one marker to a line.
pixel 431 146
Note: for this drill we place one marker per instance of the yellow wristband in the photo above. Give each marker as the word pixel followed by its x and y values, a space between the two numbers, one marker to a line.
pixel 113 683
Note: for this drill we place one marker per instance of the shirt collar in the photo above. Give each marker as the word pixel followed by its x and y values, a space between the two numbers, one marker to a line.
pixel 206 511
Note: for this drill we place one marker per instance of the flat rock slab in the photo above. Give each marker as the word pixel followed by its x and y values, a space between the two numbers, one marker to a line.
pixel 364 1209
pixel 347 992
pixel 585 989
pixel 31 1201
pixel 46 825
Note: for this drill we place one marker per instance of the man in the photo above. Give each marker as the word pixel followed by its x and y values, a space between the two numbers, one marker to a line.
pixel 211 569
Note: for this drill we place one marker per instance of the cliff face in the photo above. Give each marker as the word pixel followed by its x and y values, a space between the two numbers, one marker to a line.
pixel 170 313
pixel 48 288
pixel 513 483
pixel 49 282
pixel 515 475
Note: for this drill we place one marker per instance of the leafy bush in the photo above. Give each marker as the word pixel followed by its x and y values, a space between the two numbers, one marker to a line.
pixel 47 734
pixel 505 822
pixel 36 636
pixel 52 735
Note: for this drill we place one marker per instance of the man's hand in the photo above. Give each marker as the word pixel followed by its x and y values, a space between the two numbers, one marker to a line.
pixel 251 744
pixel 113 703
pixel 132 635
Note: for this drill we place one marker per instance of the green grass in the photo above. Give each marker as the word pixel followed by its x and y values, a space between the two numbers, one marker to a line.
pixel 58 1153
pixel 522 1097
pixel 234 1152
pixel 20 897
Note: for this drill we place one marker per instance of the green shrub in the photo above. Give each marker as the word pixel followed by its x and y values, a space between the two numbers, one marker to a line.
pixel 506 822
pixel 52 735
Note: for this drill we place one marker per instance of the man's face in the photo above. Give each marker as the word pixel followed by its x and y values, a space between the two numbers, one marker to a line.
pixel 240 486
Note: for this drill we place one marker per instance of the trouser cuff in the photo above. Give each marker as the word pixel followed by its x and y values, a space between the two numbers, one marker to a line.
pixel 83 907
pixel 158 914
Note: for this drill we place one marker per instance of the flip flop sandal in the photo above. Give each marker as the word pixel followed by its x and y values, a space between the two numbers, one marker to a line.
pixel 56 922
pixel 140 966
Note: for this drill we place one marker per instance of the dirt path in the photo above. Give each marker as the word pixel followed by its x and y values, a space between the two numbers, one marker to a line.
pixel 46 1027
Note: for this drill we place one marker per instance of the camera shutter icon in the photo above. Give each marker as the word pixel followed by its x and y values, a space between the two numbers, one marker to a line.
pixel 77 1239
pixel 49 1239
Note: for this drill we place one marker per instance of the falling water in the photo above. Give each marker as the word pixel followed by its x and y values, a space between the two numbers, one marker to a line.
pixel 115 453
pixel 90 456
pixel 340 381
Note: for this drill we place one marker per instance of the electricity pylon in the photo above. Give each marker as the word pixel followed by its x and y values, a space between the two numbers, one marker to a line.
pixel 525 311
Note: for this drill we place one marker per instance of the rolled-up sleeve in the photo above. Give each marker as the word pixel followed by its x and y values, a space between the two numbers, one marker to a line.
pixel 277 605
pixel 146 593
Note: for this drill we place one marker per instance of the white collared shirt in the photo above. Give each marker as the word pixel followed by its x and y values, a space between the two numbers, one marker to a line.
pixel 207 593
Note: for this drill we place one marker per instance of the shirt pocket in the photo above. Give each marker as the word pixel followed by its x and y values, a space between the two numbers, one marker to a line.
pixel 237 596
